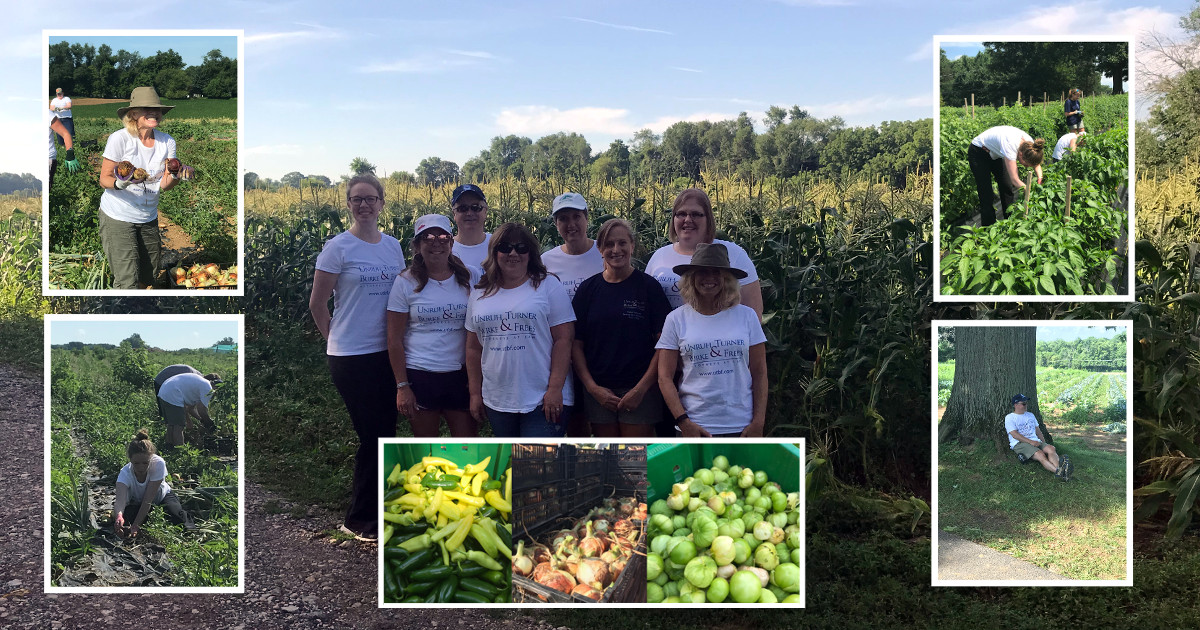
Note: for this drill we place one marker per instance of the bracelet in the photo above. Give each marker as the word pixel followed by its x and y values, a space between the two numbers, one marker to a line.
pixel 402 384
pixel 681 417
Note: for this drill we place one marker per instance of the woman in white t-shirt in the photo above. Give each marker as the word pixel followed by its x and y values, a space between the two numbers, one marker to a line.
pixel 692 223
pixel 139 164
pixel 723 390
pixel 141 484
pixel 426 337
pixel 995 154
pixel 520 326
pixel 358 267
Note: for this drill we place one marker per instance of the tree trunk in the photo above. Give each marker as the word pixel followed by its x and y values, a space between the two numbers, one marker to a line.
pixel 992 364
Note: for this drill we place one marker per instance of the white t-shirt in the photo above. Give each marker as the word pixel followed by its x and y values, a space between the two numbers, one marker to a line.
pixel 62 102
pixel 137 489
pixel 716 388
pixel 1026 424
pixel 513 326
pixel 365 273
pixel 666 258
pixel 53 149
pixel 186 389
pixel 1002 141
pixel 139 202
pixel 472 255
pixel 436 340
pixel 572 270
pixel 1064 144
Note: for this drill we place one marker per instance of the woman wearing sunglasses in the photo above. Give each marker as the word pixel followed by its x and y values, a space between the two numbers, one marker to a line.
pixel 426 337
pixel 520 327
pixel 358 267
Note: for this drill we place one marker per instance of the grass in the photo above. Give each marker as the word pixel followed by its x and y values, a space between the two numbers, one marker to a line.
pixel 185 108
pixel 1075 529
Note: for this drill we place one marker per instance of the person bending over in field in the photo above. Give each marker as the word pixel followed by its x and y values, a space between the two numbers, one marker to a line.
pixel 1025 437
pixel 183 397
pixel 1072 110
pixel 143 483
pixel 1069 142
pixel 995 153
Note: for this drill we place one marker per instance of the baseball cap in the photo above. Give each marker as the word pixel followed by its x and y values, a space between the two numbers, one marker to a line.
pixel 568 201
pixel 466 188
pixel 429 221
pixel 58 90
pixel 1020 398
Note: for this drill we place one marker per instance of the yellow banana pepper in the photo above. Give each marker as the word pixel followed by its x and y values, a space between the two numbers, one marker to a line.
pixel 495 500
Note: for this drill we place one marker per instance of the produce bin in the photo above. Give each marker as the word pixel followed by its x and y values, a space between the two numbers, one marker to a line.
pixel 583 484
pixel 667 464
pixel 462 454
pixel 535 465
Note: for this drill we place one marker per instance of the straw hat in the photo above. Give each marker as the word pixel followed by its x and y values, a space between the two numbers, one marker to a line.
pixel 144 97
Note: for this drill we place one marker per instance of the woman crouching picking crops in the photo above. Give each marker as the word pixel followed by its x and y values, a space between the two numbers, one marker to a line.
pixel 143 483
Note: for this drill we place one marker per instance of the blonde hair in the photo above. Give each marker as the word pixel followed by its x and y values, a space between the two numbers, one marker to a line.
pixel 730 295
pixel 700 197
pixel 140 444
pixel 609 226
pixel 132 114
pixel 1032 153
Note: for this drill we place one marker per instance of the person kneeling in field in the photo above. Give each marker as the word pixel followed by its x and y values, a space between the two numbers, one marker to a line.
pixel 141 484
pixel 183 397
pixel 1025 437
pixel 1069 142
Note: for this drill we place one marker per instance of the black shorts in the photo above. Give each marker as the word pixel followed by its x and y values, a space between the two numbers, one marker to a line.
pixel 440 390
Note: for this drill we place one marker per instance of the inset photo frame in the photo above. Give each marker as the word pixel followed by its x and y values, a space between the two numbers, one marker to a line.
pixel 1032 455
pixel 1033 169
pixel 144 186
pixel 141 406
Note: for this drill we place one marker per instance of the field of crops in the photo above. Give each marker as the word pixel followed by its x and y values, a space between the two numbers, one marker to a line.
pixel 205 208
pixel 99 399
pixel 1078 396
pixel 1039 248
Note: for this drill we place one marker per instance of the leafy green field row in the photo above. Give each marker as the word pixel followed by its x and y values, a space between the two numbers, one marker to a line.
pixel 1083 397
pixel 99 399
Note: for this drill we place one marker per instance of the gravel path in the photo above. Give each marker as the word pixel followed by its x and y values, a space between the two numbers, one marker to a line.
pixel 960 559
pixel 296 576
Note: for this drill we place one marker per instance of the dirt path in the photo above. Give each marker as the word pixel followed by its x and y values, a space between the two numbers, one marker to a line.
pixel 296 576
pixel 961 559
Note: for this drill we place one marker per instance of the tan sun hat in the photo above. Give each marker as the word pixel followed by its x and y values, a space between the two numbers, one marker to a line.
pixel 710 256
pixel 144 97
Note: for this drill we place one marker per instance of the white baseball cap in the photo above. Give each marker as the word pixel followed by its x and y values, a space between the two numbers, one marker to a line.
pixel 568 201
pixel 428 221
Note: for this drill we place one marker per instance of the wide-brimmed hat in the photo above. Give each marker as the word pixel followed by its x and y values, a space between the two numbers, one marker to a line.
pixel 466 188
pixel 144 97
pixel 710 256
pixel 429 221
pixel 568 201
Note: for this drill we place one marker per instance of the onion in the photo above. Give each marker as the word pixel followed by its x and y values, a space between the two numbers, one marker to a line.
pixel 591 546
pixel 594 571
pixel 522 564
pixel 586 590
pixel 557 580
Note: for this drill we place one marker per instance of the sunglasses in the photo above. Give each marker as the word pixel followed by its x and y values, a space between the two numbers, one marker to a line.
pixel 505 248
pixel 438 238
pixel 471 208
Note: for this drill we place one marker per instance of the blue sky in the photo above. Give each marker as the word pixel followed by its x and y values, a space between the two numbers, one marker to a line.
pixel 165 335
pixel 326 82
pixel 191 49
pixel 1068 333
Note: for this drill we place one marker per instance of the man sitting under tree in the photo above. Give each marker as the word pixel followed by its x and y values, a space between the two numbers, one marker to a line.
pixel 1025 437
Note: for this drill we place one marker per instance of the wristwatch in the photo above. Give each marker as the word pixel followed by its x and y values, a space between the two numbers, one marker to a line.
pixel 402 384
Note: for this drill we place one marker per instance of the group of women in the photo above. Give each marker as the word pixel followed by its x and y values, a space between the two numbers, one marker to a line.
pixel 574 341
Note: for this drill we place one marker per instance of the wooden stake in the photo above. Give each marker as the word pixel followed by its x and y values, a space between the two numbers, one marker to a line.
pixel 972 105
pixel 1067 214
pixel 1006 101
pixel 1018 96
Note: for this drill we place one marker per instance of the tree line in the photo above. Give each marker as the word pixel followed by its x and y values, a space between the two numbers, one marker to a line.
pixel 1086 353
pixel 791 142
pixel 1169 138
pixel 83 70
pixel 1002 69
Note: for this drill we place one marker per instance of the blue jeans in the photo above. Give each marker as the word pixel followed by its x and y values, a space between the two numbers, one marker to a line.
pixel 530 424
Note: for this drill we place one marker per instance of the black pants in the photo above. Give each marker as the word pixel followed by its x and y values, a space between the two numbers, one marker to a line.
pixel 984 168
pixel 69 124
pixel 170 503
pixel 368 388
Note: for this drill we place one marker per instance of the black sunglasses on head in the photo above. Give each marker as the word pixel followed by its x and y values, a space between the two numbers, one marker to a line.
pixel 505 248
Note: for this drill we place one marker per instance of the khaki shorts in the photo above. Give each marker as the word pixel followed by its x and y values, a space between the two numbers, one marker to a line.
pixel 649 412
pixel 1026 450
pixel 173 414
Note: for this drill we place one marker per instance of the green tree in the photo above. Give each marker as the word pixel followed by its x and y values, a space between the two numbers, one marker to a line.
pixel 359 165
pixel 292 179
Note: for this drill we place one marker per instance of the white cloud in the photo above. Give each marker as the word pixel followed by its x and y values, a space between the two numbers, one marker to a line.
pixel 857 108
pixel 428 63
pixel 540 119
pixel 477 54
pixel 683 69
pixel 660 124
pixel 310 33
pixel 623 27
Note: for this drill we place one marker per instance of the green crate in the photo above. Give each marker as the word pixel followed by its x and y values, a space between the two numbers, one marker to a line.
pixel 462 454
pixel 667 464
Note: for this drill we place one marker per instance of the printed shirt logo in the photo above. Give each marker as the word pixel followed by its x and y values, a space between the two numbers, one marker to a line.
pixel 716 357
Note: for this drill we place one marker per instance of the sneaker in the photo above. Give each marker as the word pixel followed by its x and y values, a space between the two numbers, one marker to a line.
pixel 1067 467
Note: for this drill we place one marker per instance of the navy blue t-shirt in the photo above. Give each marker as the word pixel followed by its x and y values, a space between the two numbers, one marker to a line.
pixel 619 325
pixel 1071 106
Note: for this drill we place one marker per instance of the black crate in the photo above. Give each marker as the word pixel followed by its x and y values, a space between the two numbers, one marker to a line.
pixel 535 465
pixel 534 507
pixel 632 456
pixel 630 483
pixel 630 586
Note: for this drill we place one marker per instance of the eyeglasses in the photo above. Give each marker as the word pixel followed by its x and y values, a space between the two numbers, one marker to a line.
pixel 440 238
pixel 358 201
pixel 505 248
pixel 696 216
pixel 475 207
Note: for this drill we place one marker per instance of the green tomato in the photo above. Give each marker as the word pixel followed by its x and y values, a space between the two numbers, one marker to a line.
pixel 718 590
pixel 779 502
pixel 671 590
pixel 760 478
pixel 722 550
pixel 705 476
pixel 752 495
pixel 661 524
pixel 697 597
pixel 734 470
pixel 719 477
pixel 741 551
pixel 654 566
pixel 700 571
pixel 662 579
pixel 676 502
pixel 683 531
pixel 768 596
pixel 685 551
pixel 706 493
pixel 794 598
pixel 674 599
pixel 660 507
pixel 678 521
pixel 765 557
pixel 734 511
pixel 745 587
pixel 695 485
pixel 720 462
pixel 762 504
pixel 704 533
pixel 763 530
pixel 658 544
pixel 746 479
pixel 787 577
pixel 716 504
pixel 654 593
pixel 796 556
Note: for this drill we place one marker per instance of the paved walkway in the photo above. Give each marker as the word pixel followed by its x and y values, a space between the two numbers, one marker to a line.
pixel 960 559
